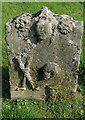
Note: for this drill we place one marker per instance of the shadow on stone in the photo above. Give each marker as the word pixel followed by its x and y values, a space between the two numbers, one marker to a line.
pixel 40 74
pixel 29 86
pixel 47 92
pixel 33 32
pixel 20 73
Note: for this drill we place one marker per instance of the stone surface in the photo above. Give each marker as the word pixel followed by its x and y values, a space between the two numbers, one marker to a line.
pixel 41 47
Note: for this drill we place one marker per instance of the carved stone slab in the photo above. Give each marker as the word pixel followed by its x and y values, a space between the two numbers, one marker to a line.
pixel 41 47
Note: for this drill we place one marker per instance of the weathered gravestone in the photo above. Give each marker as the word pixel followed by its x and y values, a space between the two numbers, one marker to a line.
pixel 43 49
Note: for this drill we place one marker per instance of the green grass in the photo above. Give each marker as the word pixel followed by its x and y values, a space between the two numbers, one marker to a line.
pixel 70 108
pixel 29 108
pixel 20 109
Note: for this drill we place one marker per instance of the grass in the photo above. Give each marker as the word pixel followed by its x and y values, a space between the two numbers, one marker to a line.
pixel 41 109
pixel 20 109
pixel 29 108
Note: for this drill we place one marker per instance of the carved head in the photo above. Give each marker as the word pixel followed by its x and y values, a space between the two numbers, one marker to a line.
pixel 43 29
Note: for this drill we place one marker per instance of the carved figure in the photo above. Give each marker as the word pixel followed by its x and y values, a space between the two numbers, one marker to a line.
pixel 26 72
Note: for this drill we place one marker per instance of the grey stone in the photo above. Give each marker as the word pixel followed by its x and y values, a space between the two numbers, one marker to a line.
pixel 41 47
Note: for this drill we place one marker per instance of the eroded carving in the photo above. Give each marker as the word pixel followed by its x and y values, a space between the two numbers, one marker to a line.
pixel 43 48
pixel 43 29
pixel 26 72
pixel 65 26
pixel 48 71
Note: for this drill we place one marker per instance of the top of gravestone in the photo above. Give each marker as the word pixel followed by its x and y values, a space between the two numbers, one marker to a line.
pixel 44 8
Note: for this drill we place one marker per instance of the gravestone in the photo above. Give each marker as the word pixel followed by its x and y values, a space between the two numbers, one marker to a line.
pixel 43 49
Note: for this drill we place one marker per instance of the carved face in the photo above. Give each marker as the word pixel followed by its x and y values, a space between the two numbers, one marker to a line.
pixel 44 29
pixel 51 70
